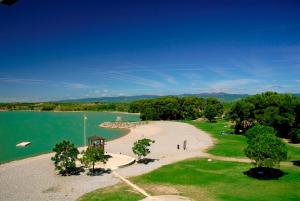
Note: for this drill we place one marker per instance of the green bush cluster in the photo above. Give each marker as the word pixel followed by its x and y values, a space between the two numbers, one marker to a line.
pixel 280 111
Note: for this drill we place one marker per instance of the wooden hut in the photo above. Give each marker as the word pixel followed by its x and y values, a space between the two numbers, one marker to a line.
pixel 97 141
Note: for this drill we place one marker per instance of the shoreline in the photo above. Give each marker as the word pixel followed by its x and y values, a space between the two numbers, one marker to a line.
pixel 126 132
pixel 104 111
pixel 35 178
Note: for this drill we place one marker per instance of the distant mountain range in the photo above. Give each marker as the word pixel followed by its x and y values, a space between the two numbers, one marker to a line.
pixel 221 96
pixel 226 97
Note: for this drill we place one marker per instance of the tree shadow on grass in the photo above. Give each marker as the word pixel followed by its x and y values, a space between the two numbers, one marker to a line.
pixel 98 172
pixel 264 173
pixel 147 160
pixel 297 163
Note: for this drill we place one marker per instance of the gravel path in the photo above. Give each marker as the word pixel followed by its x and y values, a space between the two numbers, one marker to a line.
pixel 34 178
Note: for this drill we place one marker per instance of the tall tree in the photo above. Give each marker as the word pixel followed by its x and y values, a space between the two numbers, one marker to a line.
pixel 210 112
pixel 213 108
pixel 242 113
pixel 264 147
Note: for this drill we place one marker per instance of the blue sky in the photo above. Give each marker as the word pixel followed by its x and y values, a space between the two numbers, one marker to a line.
pixel 51 50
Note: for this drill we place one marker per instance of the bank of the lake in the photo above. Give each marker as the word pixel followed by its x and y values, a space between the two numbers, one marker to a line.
pixel 45 129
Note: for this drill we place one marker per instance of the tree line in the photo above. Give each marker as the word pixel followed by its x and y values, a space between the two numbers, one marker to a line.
pixel 55 106
pixel 279 111
pixel 177 108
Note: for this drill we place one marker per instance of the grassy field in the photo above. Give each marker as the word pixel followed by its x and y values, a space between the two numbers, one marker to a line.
pixel 219 180
pixel 294 152
pixel 206 181
pixel 228 144
pixel 233 145
pixel 119 192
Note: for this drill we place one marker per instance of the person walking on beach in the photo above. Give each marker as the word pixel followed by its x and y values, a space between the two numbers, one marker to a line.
pixel 184 145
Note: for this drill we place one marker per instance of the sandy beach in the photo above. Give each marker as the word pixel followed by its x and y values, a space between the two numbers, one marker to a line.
pixel 35 179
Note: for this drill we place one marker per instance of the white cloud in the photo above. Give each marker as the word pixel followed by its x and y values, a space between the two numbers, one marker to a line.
pixel 77 85
pixel 231 86
pixel 235 82
pixel 21 80
pixel 112 75
pixel 27 81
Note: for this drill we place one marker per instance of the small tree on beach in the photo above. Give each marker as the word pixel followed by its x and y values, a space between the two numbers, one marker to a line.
pixel 140 147
pixel 92 155
pixel 65 157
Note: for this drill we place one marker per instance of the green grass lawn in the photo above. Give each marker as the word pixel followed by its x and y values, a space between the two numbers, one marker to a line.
pixel 207 181
pixel 227 145
pixel 294 152
pixel 219 180
pixel 232 145
pixel 119 192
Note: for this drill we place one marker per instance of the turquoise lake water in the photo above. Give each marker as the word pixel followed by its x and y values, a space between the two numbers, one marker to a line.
pixel 45 129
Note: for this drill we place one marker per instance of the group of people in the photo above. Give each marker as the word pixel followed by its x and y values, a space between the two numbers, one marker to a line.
pixel 184 145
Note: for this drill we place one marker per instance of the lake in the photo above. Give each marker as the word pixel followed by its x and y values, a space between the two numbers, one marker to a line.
pixel 45 129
